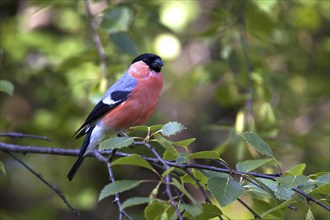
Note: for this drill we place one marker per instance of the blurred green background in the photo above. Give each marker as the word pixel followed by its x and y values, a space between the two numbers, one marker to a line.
pixel 47 52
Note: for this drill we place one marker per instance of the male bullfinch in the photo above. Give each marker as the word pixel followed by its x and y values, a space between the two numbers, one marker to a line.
pixel 128 102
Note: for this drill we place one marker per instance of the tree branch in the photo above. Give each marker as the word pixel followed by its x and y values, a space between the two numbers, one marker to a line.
pixel 167 164
pixel 52 187
pixel 20 135
pixel 96 39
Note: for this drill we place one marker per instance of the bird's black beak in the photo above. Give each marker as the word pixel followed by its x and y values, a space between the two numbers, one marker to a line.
pixel 157 65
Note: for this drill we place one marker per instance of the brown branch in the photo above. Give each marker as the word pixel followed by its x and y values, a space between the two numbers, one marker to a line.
pixel 21 135
pixel 75 152
pixel 96 39
pixel 52 187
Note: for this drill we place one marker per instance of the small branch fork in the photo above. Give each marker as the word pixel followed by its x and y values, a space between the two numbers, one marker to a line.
pixel 101 155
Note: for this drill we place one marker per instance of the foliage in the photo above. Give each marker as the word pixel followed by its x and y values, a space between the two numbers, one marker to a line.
pixel 276 86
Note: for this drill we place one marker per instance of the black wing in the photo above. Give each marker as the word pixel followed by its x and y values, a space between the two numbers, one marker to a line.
pixel 101 108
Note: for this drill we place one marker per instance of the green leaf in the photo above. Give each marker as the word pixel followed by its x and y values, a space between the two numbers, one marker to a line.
pixel 198 175
pixel 281 206
pixel 249 165
pixel 184 191
pixel 210 211
pixel 257 143
pixel 193 210
pixel 324 179
pixel 124 42
pixel 309 215
pixel 6 87
pixel 172 128
pixel 204 155
pixel 136 201
pixel 267 187
pixel 116 143
pixel 118 187
pixel 116 20
pixel 209 174
pixel 296 170
pixel 323 189
pixel 166 144
pixel 2 168
pixel 283 193
pixel 152 128
pixel 225 190
pixel 134 160
pixel 159 211
pixel 184 143
pixel 292 181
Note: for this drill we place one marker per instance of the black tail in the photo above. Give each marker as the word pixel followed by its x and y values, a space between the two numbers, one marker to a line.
pixel 75 168
pixel 81 156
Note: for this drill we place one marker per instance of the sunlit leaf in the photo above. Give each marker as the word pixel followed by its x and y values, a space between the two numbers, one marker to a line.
pixel 257 143
pixel 296 170
pixel 225 190
pixel 118 187
pixel 248 165
pixel 309 215
pixel 116 143
pixel 172 128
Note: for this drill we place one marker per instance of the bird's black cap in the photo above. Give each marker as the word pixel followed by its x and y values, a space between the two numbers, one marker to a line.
pixel 152 60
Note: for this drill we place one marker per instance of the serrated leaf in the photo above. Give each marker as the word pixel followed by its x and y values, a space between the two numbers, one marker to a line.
pixel 6 87
pixel 292 181
pixel 309 215
pixel 248 165
pixel 172 128
pixel 193 210
pixel 134 160
pixel 124 42
pixel 184 143
pixel 2 168
pixel 257 143
pixel 136 201
pixel 204 155
pixel 225 190
pixel 166 144
pixel 118 187
pixel 167 155
pixel 116 20
pixel 116 143
pixel 323 189
pixel 209 174
pixel 296 170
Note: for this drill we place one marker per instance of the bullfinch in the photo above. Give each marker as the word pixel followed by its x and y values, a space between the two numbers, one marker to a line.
pixel 128 102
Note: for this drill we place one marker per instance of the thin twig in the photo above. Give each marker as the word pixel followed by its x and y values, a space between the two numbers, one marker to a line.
pixel 21 135
pixel 75 152
pixel 167 179
pixel 206 198
pixel 112 179
pixel 96 39
pixel 52 187
pixel 255 215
